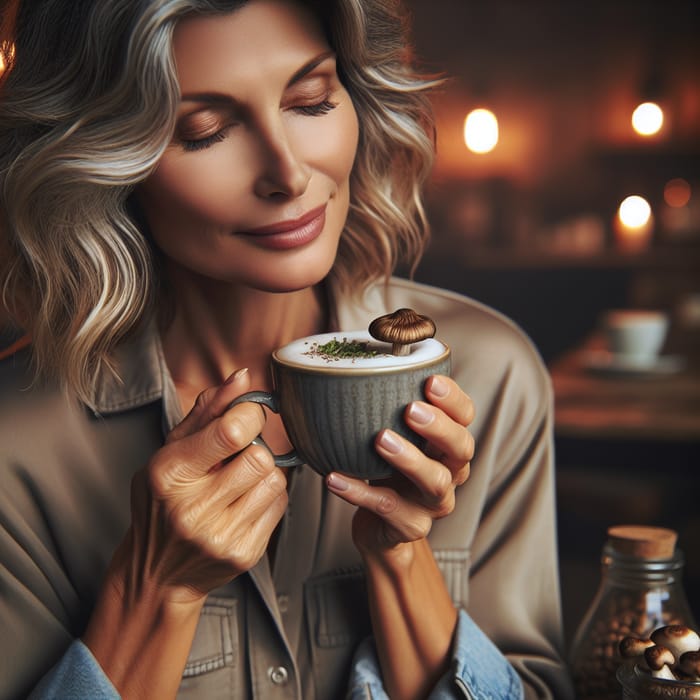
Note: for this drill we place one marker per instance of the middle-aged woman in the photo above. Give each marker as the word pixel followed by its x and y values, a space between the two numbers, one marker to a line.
pixel 187 185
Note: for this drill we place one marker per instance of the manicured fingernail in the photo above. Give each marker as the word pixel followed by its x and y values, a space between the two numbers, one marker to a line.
pixel 238 374
pixel 420 413
pixel 337 483
pixel 438 387
pixel 390 442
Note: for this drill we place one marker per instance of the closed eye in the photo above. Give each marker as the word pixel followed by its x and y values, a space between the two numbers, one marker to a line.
pixel 317 109
pixel 206 142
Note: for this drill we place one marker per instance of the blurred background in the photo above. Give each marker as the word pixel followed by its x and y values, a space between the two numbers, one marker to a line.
pixel 567 183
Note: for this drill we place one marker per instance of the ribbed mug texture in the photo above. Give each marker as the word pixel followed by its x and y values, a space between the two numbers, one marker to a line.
pixel 333 418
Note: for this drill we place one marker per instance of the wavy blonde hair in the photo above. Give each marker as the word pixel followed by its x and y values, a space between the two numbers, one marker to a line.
pixel 86 112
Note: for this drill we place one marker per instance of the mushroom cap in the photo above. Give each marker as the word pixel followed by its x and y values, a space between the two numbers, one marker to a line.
pixel 403 326
pixel 689 663
pixel 678 638
pixel 631 647
pixel 658 656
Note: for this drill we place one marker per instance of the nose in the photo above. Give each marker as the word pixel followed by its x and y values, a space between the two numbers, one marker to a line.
pixel 282 173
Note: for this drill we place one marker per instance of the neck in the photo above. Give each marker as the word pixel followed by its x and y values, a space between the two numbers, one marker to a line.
pixel 217 329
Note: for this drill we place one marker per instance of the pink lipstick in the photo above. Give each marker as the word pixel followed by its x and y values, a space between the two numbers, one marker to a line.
pixel 285 235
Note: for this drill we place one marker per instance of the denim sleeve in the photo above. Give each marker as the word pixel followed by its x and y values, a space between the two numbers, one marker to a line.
pixel 478 670
pixel 76 676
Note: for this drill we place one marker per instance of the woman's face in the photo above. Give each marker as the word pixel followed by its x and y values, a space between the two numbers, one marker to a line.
pixel 254 188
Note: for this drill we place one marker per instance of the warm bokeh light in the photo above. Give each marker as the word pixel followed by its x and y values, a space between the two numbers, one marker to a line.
pixel 634 212
pixel 6 51
pixel 677 193
pixel 481 130
pixel 647 119
pixel 633 224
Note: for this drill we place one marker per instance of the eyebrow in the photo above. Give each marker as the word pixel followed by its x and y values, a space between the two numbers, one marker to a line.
pixel 219 98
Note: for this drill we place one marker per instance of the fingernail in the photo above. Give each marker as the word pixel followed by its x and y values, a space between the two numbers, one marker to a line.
pixel 438 387
pixel 337 483
pixel 390 442
pixel 420 413
pixel 238 374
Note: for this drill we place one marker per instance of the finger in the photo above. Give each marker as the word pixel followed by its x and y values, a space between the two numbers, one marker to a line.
pixel 194 456
pixel 410 521
pixel 246 545
pixel 211 403
pixel 445 393
pixel 433 480
pixel 240 533
pixel 446 437
pixel 207 497
pixel 252 505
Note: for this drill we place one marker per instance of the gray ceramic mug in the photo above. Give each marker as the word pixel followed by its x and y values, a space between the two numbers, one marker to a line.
pixel 334 407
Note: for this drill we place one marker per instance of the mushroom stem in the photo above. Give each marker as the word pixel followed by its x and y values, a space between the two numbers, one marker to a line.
pixel 400 349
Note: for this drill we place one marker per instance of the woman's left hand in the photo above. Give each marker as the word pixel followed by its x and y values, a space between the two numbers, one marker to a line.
pixel 402 509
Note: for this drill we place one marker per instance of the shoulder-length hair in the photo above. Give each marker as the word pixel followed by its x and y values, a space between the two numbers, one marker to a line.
pixel 88 108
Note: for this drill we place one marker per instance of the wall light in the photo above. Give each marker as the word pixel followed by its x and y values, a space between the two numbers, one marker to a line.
pixel 481 130
pixel 647 119
pixel 633 224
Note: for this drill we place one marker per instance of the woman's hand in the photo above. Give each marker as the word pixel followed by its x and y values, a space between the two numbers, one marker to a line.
pixel 201 517
pixel 402 509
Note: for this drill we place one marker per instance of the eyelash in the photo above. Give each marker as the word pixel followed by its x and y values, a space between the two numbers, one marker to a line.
pixel 316 110
pixel 206 142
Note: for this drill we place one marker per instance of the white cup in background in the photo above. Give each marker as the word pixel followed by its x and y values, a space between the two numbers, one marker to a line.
pixel 636 335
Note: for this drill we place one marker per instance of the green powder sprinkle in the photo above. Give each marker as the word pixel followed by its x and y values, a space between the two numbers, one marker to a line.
pixel 341 349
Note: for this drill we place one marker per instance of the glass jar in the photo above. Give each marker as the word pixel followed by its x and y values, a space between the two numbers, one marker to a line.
pixel 640 589
pixel 641 685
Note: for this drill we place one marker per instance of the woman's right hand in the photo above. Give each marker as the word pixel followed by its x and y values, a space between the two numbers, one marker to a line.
pixel 206 505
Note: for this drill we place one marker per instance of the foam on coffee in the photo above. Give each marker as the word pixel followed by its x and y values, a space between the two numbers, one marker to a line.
pixel 305 353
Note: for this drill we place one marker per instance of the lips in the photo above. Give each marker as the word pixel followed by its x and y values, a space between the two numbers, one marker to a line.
pixel 289 234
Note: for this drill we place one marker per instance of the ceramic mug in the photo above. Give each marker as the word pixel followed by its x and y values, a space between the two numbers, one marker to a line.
pixel 636 335
pixel 334 407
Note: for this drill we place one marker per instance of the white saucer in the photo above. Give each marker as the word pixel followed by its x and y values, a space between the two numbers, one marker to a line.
pixel 603 362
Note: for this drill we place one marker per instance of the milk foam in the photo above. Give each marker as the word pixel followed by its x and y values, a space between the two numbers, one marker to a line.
pixel 301 352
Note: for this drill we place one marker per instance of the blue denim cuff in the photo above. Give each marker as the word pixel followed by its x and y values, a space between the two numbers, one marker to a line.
pixel 76 676
pixel 478 671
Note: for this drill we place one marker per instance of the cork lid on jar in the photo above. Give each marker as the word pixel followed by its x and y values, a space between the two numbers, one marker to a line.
pixel 643 541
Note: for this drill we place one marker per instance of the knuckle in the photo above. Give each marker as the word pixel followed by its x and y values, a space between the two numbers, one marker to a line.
pixel 181 518
pixel 445 506
pixel 203 398
pixel 442 483
pixel 158 477
pixel 462 474
pixel 418 528
pixel 259 460
pixel 386 503
pixel 277 482
pixel 232 432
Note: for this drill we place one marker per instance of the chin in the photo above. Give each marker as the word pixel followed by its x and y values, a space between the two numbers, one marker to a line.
pixel 292 278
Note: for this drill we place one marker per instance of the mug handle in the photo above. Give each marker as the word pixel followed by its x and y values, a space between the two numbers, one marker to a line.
pixel 265 398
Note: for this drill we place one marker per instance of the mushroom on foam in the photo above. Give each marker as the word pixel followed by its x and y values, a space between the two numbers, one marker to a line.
pixel 678 638
pixel 402 328
pixel 659 660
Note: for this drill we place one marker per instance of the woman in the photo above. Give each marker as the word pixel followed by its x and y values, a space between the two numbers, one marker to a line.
pixel 187 185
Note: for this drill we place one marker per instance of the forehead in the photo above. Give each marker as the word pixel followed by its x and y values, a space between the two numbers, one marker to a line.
pixel 261 39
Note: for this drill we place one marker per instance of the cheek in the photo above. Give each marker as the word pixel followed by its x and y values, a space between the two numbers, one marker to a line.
pixel 329 143
pixel 192 188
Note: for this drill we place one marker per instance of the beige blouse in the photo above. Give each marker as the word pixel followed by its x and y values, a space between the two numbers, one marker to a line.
pixel 288 631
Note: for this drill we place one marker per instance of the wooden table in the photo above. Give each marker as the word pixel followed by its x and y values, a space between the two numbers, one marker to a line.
pixel 639 407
